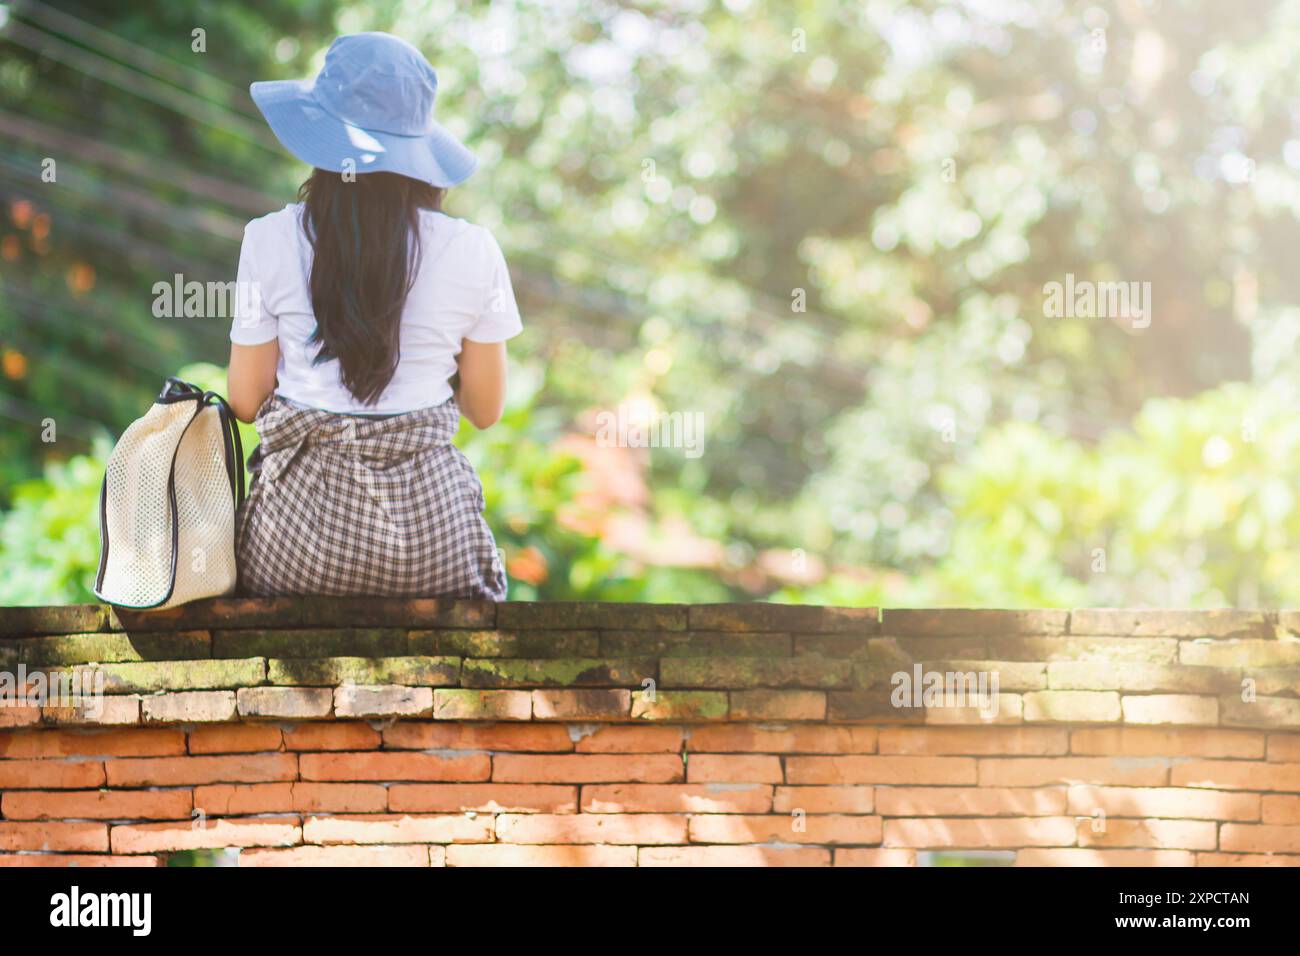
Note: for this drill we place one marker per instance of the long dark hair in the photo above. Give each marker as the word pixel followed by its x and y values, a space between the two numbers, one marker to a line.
pixel 365 237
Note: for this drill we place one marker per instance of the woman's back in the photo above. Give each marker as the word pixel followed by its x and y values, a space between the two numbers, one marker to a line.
pixel 460 290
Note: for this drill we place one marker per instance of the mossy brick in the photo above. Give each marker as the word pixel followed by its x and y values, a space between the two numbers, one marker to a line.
pixel 1155 622
pixel 873 703
pixel 226 612
pixel 765 704
pixel 1276 682
pixel 349 612
pixel 694 644
pixel 684 705
pixel 8 655
pixel 331 671
pixel 556 672
pixel 1244 654
pixel 907 650
pixel 1280 713
pixel 589 614
pixel 1140 677
pixel 956 622
pixel 1141 650
pixel 67 619
pixel 744 672
pixel 498 643
pixel 1012 676
pixel 148 677
pixel 833 645
pixel 311 642
pixel 111 647
pixel 591 703
pixel 290 703
pixel 794 618
pixel 463 704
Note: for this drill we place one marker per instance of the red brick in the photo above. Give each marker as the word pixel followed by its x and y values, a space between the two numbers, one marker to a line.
pixel 1173 802
pixel 1162 742
pixel 607 828
pixel 752 738
pixel 1019 741
pixel 1244 838
pixel 331 736
pixel 88 743
pixel 242 799
pixel 482 798
pixel 1284 748
pixel 970 801
pixel 821 829
pixel 49 774
pixel 53 837
pixel 1246 859
pixel 1237 775
pixel 235 738
pixel 1277 808
pixel 1044 771
pixel 398 828
pixel 625 739
pixel 886 770
pixel 64 860
pixel 979 833
pixel 449 735
pixel 1155 834
pixel 316 856
pixel 372 765
pixel 859 856
pixel 729 768
pixel 25 716
pixel 848 799
pixel 96 805
pixel 176 771
pixel 676 798
pixel 113 710
pixel 733 856
pixel 205 835
pixel 778 705
pixel 588 768
pixel 1070 856
pixel 502 854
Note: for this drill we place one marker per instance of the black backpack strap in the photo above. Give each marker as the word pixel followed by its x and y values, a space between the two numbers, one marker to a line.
pixel 234 445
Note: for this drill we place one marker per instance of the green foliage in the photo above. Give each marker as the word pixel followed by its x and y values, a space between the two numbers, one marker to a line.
pixel 49 538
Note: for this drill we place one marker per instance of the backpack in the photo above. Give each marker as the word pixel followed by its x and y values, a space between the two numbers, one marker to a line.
pixel 167 506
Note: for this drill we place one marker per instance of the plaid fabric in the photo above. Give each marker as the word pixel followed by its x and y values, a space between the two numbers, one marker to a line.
pixel 345 504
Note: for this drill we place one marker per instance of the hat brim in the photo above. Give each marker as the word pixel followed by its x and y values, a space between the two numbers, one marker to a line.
pixel 321 139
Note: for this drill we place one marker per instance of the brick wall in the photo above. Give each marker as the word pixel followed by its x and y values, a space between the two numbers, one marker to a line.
pixel 442 733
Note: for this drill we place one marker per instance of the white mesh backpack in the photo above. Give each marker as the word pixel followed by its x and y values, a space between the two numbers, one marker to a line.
pixel 167 507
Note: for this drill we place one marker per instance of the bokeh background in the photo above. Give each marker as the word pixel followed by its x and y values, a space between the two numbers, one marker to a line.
pixel 825 227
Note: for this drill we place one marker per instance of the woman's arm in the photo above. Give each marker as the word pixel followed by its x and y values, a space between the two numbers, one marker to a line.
pixel 250 379
pixel 481 393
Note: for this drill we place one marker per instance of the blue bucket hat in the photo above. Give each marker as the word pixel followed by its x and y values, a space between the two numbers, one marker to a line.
pixel 371 103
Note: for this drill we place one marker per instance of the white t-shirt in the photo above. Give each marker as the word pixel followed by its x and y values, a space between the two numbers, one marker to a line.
pixel 461 291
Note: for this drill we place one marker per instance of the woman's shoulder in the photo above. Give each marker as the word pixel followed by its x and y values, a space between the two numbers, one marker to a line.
pixel 467 238
pixel 278 224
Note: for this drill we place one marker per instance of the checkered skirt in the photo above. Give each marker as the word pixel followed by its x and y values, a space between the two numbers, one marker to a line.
pixel 351 505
